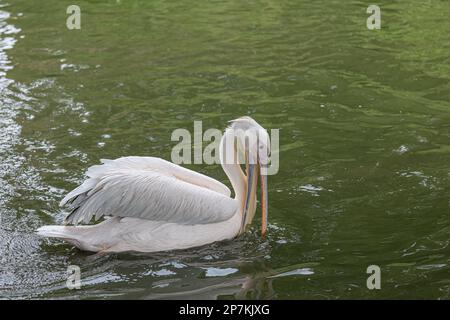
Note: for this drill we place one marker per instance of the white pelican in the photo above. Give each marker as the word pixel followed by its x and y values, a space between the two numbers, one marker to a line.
pixel 153 205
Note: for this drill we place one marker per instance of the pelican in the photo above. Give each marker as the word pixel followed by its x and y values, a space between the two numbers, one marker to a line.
pixel 150 204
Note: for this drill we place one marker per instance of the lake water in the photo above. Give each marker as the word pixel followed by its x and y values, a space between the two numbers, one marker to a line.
pixel 364 119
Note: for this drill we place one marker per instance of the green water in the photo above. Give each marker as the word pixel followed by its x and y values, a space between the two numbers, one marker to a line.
pixel 364 119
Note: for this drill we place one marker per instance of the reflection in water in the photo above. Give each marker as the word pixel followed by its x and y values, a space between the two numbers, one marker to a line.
pixel 24 268
pixel 9 136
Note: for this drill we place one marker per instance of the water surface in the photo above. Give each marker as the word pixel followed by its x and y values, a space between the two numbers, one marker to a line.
pixel 364 119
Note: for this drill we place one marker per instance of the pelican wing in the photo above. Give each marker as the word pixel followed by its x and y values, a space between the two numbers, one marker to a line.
pixel 149 188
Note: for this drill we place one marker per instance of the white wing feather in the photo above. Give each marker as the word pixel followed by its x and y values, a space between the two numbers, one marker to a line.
pixel 149 188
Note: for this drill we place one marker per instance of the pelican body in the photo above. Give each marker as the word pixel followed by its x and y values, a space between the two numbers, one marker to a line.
pixel 150 204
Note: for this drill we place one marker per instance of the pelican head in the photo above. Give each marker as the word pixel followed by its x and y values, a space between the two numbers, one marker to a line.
pixel 253 150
